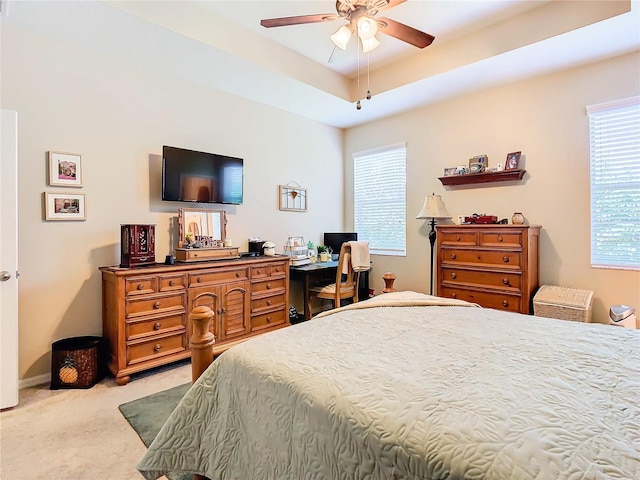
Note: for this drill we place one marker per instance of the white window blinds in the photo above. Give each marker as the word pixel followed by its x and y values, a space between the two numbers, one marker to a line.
pixel 380 198
pixel 614 132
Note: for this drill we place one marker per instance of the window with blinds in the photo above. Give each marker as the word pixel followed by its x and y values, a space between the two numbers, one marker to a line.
pixel 380 186
pixel 614 132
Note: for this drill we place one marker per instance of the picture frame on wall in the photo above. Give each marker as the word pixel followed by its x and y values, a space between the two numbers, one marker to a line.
pixel 512 161
pixel 64 206
pixel 65 169
pixel 292 198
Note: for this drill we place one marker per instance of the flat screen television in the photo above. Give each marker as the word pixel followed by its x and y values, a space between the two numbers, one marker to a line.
pixel 191 176
pixel 335 240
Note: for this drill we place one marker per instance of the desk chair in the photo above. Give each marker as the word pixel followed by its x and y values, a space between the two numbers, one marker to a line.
pixel 345 286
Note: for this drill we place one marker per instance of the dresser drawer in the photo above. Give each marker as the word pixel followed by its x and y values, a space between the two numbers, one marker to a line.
pixel 266 303
pixel 156 304
pixel 490 258
pixel 145 327
pixel 499 301
pixel 460 237
pixel 267 320
pixel 169 283
pixel 501 280
pixel 138 352
pixel 504 239
pixel 142 285
pixel 217 276
pixel 260 289
pixel 266 271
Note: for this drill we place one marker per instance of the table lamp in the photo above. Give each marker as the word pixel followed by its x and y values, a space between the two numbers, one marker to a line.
pixel 433 209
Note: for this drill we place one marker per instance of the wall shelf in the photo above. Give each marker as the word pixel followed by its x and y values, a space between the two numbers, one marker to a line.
pixel 491 177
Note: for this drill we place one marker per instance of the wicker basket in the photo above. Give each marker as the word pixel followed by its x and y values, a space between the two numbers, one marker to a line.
pixel 76 362
pixel 563 303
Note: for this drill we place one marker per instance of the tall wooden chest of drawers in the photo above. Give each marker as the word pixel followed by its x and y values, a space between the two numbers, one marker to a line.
pixel 495 266
pixel 145 311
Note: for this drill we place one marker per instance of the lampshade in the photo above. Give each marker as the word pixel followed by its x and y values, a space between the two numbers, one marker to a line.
pixel 433 208
pixel 367 28
pixel 370 44
pixel 342 37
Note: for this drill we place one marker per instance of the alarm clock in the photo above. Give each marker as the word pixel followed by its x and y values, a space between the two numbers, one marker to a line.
pixel 138 245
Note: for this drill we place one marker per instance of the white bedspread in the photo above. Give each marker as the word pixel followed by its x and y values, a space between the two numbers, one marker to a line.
pixel 414 392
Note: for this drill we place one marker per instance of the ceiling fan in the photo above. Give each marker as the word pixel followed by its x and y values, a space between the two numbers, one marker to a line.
pixel 360 15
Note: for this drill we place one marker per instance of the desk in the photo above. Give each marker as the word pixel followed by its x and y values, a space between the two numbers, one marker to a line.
pixel 313 272
pixel 322 271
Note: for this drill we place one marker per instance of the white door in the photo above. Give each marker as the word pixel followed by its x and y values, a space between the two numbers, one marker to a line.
pixel 9 259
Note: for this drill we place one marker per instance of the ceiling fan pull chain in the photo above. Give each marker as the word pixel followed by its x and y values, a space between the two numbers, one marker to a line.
pixel 368 88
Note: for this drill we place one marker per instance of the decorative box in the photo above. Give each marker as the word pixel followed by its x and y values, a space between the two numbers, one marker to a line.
pixel 138 247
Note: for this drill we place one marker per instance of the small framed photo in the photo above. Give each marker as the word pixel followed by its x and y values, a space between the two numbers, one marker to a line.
pixel 64 206
pixel 449 171
pixel 65 169
pixel 513 159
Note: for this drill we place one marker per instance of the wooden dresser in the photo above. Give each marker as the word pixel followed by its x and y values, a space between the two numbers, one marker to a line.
pixel 495 266
pixel 145 311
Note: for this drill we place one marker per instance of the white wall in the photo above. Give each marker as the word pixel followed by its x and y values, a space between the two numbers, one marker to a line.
pixel 543 117
pixel 72 97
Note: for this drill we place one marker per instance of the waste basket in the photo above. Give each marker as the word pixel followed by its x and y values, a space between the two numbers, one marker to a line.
pixel 76 362
pixel 623 316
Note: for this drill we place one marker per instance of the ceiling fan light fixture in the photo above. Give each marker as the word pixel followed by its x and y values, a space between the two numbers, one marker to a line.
pixel 370 44
pixel 341 37
pixel 367 28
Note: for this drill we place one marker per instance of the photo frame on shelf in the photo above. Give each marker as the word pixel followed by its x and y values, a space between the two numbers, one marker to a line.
pixel 292 198
pixel 513 161
pixel 65 169
pixel 64 206
pixel 450 171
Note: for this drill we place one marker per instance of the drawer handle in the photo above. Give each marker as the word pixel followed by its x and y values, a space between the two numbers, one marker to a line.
pixel 505 303
pixel 453 256
pixel 172 283
pixel 454 275
pixel 140 286
pixel 505 281
pixel 499 238
pixel 268 319
pixel 237 274
pixel 258 272
pixel 157 347
pixel 156 305
pixel 454 295
pixel 195 255
pixel 457 238
pixel 157 326
pixel 505 259
pixel 268 286
pixel 199 280
pixel 269 302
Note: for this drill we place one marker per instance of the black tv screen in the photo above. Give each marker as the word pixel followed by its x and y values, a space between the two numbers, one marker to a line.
pixel 335 240
pixel 191 176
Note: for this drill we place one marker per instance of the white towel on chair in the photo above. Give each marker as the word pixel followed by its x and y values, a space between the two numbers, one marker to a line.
pixel 360 256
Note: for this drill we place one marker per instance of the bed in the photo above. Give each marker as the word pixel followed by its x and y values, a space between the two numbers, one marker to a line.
pixel 410 386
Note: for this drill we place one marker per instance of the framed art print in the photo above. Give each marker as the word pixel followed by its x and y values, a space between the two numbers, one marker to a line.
pixel 64 206
pixel 65 169
pixel 292 198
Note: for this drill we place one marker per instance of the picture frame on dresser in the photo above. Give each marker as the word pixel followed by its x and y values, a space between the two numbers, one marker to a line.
pixel 65 169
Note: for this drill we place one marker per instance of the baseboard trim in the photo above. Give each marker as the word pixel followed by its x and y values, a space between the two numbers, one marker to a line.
pixel 33 381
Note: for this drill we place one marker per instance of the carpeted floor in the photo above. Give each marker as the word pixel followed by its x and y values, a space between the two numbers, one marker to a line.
pixel 146 415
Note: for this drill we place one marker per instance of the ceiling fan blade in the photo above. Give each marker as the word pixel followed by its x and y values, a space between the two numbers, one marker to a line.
pixel 391 4
pixel 299 20
pixel 405 32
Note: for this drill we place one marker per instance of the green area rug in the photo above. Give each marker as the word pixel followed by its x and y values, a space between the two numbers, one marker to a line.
pixel 146 415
